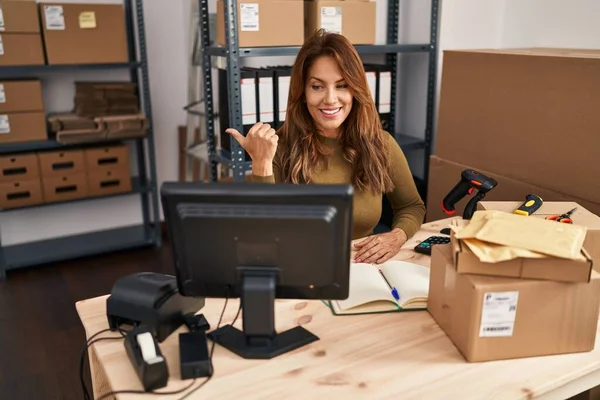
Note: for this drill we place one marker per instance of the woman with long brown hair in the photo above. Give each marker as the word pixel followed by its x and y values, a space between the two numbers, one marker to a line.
pixel 333 134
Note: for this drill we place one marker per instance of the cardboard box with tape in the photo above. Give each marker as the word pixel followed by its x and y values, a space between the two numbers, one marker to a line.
pixel 492 318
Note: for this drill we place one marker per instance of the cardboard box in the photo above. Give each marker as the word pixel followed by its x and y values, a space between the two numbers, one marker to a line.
pixel 20 194
pixel 490 318
pixel 21 49
pixel 353 19
pixel 23 127
pixel 107 158
pixel 109 182
pixel 56 164
pixel 581 216
pixel 444 174
pixel 19 17
pixel 64 188
pixel 551 268
pixel 260 23
pixel 527 114
pixel 21 95
pixel 19 167
pixel 84 33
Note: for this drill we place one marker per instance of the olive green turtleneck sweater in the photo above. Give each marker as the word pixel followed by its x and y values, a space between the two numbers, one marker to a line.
pixel 407 205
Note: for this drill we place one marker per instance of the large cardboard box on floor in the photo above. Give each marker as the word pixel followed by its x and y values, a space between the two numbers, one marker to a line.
pixel 260 23
pixel 490 318
pixel 444 174
pixel 355 19
pixel 580 216
pixel 527 114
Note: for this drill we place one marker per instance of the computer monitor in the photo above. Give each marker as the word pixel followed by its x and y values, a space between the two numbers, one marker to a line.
pixel 260 242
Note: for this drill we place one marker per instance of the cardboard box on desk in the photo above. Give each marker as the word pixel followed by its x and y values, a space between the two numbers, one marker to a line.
pixel 491 318
pixel 355 19
pixel 443 175
pixel 507 111
pixel 581 216
pixel 260 23
pixel 551 268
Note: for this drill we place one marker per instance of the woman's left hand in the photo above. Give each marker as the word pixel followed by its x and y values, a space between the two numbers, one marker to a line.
pixel 380 248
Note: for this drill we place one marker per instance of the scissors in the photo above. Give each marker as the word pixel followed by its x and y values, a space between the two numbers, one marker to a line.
pixel 564 218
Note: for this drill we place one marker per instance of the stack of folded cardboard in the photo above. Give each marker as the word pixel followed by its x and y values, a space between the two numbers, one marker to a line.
pixel 509 286
pixel 94 99
pixel 71 128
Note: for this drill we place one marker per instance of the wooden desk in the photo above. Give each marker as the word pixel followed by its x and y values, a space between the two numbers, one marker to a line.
pixel 396 356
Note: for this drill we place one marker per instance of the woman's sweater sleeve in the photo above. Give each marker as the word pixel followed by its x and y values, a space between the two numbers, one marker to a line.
pixel 276 177
pixel 407 205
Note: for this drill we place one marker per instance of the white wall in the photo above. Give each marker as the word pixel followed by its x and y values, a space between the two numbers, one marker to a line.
pixel 464 24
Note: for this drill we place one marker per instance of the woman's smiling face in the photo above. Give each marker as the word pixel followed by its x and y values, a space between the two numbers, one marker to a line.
pixel 328 97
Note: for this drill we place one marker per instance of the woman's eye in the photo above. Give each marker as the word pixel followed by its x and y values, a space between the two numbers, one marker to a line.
pixel 343 86
pixel 316 87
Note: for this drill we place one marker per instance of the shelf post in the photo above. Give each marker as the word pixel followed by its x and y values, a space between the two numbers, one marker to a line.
pixel 234 85
pixel 392 59
pixel 209 121
pixel 431 85
pixel 154 223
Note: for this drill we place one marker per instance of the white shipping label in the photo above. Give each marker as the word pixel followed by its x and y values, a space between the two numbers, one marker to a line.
pixel 2 94
pixel 4 125
pixel 1 47
pixel 331 19
pixel 2 27
pixel 55 19
pixel 498 314
pixel 249 17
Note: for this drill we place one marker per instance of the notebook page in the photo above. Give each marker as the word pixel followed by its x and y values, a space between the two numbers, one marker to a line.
pixel 411 280
pixel 366 285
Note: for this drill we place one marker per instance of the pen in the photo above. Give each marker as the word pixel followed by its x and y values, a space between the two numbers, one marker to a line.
pixel 393 289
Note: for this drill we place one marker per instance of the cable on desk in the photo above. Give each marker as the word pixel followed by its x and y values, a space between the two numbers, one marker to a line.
pixel 92 340
pixel 212 348
pixel 84 351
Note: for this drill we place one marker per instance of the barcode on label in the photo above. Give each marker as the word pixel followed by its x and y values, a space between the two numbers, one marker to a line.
pixel 2 27
pixel 498 314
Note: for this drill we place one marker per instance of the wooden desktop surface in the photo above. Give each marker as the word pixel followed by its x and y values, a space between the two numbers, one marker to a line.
pixel 379 356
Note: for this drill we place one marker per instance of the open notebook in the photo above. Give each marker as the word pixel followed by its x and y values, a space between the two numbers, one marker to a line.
pixel 369 292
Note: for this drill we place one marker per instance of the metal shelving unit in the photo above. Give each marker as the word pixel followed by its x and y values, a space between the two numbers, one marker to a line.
pixel 233 54
pixel 147 233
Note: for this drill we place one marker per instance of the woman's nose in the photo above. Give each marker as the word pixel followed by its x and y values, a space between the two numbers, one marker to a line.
pixel 331 96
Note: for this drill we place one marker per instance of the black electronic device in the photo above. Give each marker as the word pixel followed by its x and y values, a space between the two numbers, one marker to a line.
pixel 193 355
pixel 425 246
pixel 260 242
pixel 146 358
pixel 149 299
pixel 470 180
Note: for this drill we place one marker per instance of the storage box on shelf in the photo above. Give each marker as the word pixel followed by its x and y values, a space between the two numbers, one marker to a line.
pixel 20 38
pixel 43 169
pixel 240 23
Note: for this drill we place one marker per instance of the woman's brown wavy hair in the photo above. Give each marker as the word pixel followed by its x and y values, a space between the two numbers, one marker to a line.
pixel 363 139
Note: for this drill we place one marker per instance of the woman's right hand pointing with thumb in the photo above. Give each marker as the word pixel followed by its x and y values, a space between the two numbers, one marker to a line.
pixel 261 144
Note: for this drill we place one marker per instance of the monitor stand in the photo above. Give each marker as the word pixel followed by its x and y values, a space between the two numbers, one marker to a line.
pixel 259 339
